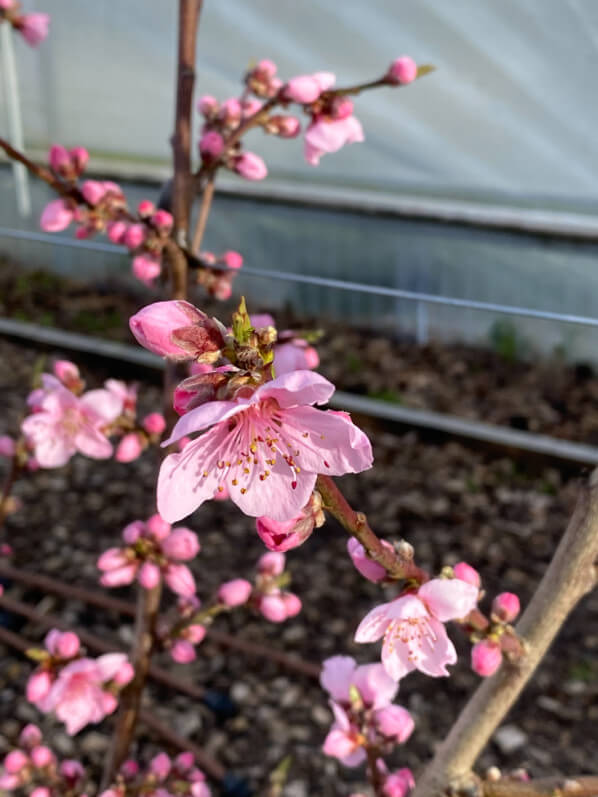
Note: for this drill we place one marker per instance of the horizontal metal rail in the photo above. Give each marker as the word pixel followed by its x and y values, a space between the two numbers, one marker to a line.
pixel 328 282
pixel 449 424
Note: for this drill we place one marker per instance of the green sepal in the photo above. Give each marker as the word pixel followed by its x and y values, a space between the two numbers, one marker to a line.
pixel 242 328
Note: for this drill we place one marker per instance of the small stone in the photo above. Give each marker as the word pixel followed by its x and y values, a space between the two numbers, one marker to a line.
pixel 321 715
pixel 509 738
pixel 296 788
pixel 240 692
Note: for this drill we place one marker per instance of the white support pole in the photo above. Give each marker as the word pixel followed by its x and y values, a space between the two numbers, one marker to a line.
pixel 15 124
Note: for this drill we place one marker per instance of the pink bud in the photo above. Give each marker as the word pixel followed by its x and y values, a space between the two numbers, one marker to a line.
pixel 366 566
pixel 67 645
pixel 158 527
pixel 398 784
pixel 15 761
pixel 222 289
pixel 285 126
pixel 130 769
pixel 303 89
pixel 250 107
pixel 38 685
pixel 154 423
pixel 59 159
pixel 182 651
pixel 9 782
pixel 116 231
pixel 230 111
pixel 395 722
pixel 180 580
pixel 266 67
pixel 195 633
pixel 273 608
pixel 129 448
pixel 467 573
pixel 30 736
pixel 42 756
pixel 149 575
pixel 93 191
pixel 119 576
pixel 250 166
pixel 41 791
pixel 162 221
pixel 403 70
pixel 146 267
pixel 153 326
pixel 232 259
pixel 184 761
pixel 486 657
pixel 271 564
pixel 207 105
pixel 312 358
pixel 292 604
pixel 71 770
pixel 124 674
pixel 66 371
pixel 182 544
pixel 146 208
pixel 79 159
pixel 131 534
pixel 7 446
pixel 211 145
pixel 134 236
pixel 56 216
pixel 235 592
pixel 109 702
pixel 506 606
pixel 160 766
pixel 33 27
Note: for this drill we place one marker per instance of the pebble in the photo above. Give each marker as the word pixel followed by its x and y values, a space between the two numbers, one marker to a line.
pixel 509 738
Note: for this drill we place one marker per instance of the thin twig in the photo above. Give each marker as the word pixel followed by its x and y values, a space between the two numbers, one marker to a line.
pixel 204 212
pixel 570 575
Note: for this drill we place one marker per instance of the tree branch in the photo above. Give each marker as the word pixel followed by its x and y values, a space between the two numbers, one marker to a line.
pixel 570 575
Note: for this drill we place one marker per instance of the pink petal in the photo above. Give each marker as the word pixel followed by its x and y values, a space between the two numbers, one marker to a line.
pixel 373 625
pixel 374 684
pixel 296 389
pixel 105 405
pixel 449 599
pixel 274 495
pixel 93 443
pixel 434 658
pixel 396 659
pixel 337 675
pixel 109 665
pixel 202 417
pixel 56 216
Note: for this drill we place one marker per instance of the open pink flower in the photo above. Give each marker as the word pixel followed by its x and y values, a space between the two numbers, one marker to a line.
pixel 323 136
pixel 267 450
pixel 376 688
pixel 344 740
pixel 413 630
pixel 65 424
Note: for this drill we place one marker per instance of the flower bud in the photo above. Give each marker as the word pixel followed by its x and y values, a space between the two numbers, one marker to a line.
pixel 146 208
pixel 67 645
pixel 38 685
pixel 184 762
pixel 250 166
pixel 131 534
pixel 211 145
pixel 67 372
pixel 273 608
pixel 395 722
pixel 116 231
pixel 207 105
pixel 230 112
pixel 124 674
pixel 284 126
pixel 160 766
pixel 180 580
pixel 398 784
pixel 182 544
pixel 235 592
pixel 162 221
pixel 303 89
pixel 134 236
pixel 154 423
pixel 403 70
pixel 41 791
pixel 56 216
pixel 271 564
pixel 93 191
pixel 506 606
pixel 59 160
pixel 33 27
pixel 30 736
pixel 9 782
pixel 129 769
pixel 232 259
pixel 158 527
pixel 42 756
pixel 129 448
pixel 120 576
pixel 292 604
pixel 182 651
pixel 71 770
pixel 486 657
pixel 153 326
pixel 146 267
pixel 15 761
pixel 149 575
pixel 465 572
pixel 79 159
pixel 195 633
pixel 7 446
pixel 366 566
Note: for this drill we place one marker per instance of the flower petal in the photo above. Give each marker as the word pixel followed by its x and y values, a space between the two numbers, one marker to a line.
pixel 208 414
pixel 295 389
pixel 449 599
pixel 375 686
pixel 337 676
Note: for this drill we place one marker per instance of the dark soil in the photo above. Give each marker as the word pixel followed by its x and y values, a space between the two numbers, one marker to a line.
pixel 451 502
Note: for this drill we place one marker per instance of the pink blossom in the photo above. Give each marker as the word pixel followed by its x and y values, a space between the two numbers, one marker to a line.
pixel 250 166
pixel 211 145
pixel 149 575
pixel 207 105
pixel 413 630
pixel 113 558
pixel 323 136
pixel 124 674
pixel 394 722
pixel 93 191
pixel 15 761
pixel 33 27
pixel 267 450
pixel 41 791
pixel 182 544
pixel 402 70
pixel 235 592
pixel 154 423
pixel 160 766
pixel 486 657
pixel 42 756
pixel 467 573
pixel 62 644
pixel 57 215
pixel 9 782
pixel 399 783
pixel 7 446
pixel 116 231
pixel 77 697
pixel 303 89
pixel 292 604
pixel 38 685
pixel 232 259
pixel 366 566
pixel 294 356
pixel 180 580
pixel 146 267
pixel 65 424
pixel 271 564
pixel 129 448
pixel 506 607
pixel 344 741
pixel 176 330
pixel 376 688
pixel 163 221
pixel 146 208
pixel 67 372
pixel 182 651
pixel 134 236
pixel 273 607
pixel 230 111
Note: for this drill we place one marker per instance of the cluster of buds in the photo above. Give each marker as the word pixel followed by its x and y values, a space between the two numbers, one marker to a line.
pixel 68 164
pixel 266 595
pixel 163 777
pixel 153 551
pixel 498 638
pixel 365 718
pixel 218 282
pixel 78 690
pixel 34 766
pixel 33 27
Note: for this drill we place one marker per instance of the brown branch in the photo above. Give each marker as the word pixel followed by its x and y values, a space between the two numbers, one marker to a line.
pixel 570 575
pixel 355 523
pixel 11 477
pixel 204 212
pixel 559 786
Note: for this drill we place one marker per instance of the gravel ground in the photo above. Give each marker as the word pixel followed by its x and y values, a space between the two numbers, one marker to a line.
pixel 451 502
